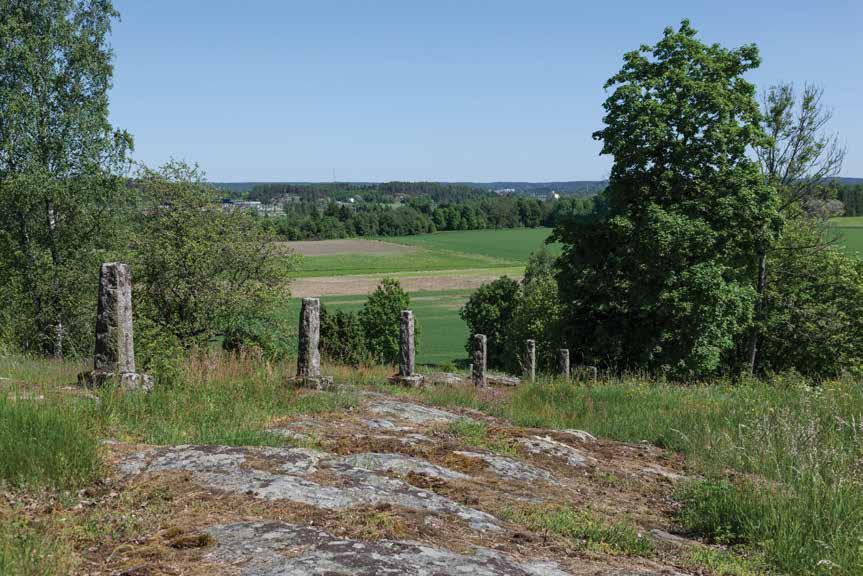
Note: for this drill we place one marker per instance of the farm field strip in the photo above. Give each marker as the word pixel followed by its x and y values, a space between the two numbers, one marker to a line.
pixel 411 282
pixel 421 260
pixel 344 246
pixel 510 244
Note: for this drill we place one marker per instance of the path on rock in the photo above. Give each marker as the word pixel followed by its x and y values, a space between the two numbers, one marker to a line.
pixel 392 486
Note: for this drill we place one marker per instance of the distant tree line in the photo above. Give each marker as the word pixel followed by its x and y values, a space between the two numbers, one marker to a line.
pixel 383 193
pixel 851 197
pixel 421 214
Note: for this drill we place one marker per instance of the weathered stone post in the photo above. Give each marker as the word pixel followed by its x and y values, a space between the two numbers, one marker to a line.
pixel 563 362
pixel 479 360
pixel 531 360
pixel 308 355
pixel 114 356
pixel 406 344
pixel 407 352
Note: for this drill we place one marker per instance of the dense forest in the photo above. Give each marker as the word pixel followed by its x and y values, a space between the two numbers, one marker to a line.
pixel 386 192
pixel 418 215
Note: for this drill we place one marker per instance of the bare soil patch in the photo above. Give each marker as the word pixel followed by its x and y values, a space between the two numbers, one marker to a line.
pixel 359 285
pixel 345 246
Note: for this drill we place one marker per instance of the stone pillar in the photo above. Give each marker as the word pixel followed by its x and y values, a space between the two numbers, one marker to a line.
pixel 114 355
pixel 115 349
pixel 530 369
pixel 308 356
pixel 407 353
pixel 406 344
pixel 563 362
pixel 479 360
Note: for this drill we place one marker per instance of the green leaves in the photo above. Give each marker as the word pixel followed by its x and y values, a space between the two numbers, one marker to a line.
pixel 663 281
pixel 61 165
pixel 201 272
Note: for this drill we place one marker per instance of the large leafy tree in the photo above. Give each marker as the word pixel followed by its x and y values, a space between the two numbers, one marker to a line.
pixel 664 278
pixel 59 165
pixel 202 273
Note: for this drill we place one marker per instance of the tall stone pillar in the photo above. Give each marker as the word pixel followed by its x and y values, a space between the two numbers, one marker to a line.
pixel 479 360
pixel 308 355
pixel 115 348
pixel 114 356
pixel 406 344
pixel 530 369
pixel 407 353
pixel 563 362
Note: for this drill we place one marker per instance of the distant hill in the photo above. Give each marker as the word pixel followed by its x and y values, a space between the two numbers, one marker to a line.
pixel 850 181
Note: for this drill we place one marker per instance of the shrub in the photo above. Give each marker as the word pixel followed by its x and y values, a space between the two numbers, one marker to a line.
pixel 342 338
pixel 813 320
pixel 199 271
pixel 380 318
pixel 489 311
pixel 509 314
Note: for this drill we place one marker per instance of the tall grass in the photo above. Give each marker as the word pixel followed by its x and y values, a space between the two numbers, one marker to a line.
pixel 29 551
pixel 782 461
pixel 46 442
pixel 221 399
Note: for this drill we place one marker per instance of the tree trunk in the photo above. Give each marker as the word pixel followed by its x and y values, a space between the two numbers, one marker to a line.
pixel 56 300
pixel 759 310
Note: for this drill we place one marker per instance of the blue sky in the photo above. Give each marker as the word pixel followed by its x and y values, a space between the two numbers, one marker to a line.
pixel 454 90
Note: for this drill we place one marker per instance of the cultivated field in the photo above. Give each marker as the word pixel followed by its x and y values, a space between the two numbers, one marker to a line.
pixel 511 244
pixel 438 270
pixel 344 246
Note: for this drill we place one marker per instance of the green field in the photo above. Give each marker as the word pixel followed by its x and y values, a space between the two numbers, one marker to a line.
pixel 511 244
pixel 442 334
pixel 850 229
pixel 420 261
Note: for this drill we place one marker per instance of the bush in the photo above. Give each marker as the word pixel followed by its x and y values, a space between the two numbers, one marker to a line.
pixel 260 333
pixel 201 272
pixel 509 314
pixel 380 318
pixel 813 307
pixel 342 338
pixel 489 311
pixel 536 315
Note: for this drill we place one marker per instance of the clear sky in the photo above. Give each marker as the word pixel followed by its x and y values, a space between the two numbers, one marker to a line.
pixel 452 90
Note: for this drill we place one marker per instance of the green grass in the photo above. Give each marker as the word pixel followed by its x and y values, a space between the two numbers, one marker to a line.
pixel 583 529
pixel 847 221
pixel 514 244
pixel 228 405
pixel 476 434
pixel 30 551
pixel 46 442
pixel 796 498
pixel 850 232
